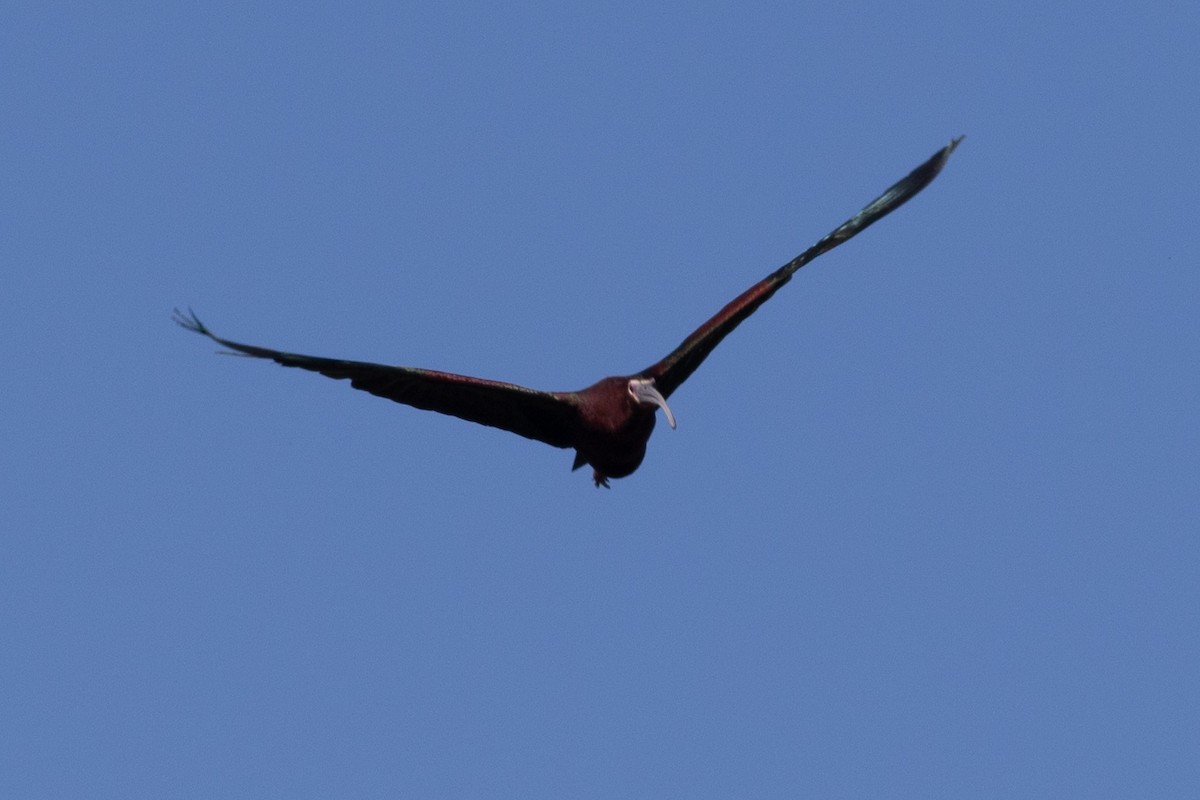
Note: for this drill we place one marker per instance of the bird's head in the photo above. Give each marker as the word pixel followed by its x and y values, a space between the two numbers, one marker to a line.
pixel 643 392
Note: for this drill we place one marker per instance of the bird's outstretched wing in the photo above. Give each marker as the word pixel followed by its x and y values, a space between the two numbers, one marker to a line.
pixel 548 417
pixel 673 370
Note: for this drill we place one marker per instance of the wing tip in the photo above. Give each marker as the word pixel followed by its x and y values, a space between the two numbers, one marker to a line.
pixel 907 187
pixel 942 156
pixel 190 322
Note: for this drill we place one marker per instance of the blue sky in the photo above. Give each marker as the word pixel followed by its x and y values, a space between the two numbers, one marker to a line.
pixel 928 527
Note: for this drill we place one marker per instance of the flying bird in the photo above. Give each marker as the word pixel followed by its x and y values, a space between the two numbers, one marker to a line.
pixel 609 423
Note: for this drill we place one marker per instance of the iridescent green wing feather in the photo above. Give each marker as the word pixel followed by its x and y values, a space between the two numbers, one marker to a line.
pixel 673 370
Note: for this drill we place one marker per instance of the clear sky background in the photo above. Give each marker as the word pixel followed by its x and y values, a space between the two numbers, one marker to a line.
pixel 928 527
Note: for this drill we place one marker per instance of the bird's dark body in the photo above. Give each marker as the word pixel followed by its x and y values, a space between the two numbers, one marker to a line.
pixel 613 430
pixel 609 423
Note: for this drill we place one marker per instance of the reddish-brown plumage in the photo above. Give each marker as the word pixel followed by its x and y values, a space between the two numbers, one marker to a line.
pixel 613 429
pixel 608 423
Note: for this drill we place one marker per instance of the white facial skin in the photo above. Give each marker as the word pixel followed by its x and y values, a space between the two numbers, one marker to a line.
pixel 642 390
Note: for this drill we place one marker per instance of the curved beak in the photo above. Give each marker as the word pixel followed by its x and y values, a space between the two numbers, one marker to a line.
pixel 644 392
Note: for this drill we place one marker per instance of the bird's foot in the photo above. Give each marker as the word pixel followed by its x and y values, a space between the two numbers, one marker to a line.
pixel 600 480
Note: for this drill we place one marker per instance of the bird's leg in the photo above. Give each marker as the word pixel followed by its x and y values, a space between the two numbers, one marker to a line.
pixel 600 480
